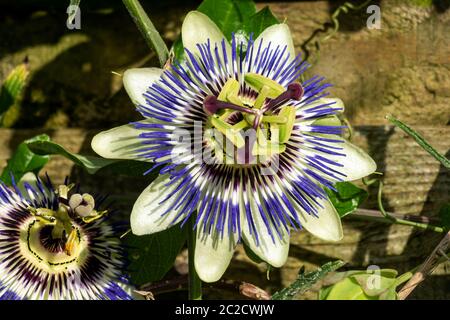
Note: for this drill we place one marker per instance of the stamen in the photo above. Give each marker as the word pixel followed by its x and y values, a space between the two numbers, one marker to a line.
pixel 258 82
pixel 293 92
pixel 265 147
pixel 287 112
pixel 275 119
pixel 226 129
pixel 211 105
pixel 229 89
pixel 240 125
pixel 71 242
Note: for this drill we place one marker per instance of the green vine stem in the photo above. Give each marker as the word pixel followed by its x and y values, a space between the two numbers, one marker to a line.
pixel 420 140
pixel 383 216
pixel 195 284
pixel 396 220
pixel 329 31
pixel 148 30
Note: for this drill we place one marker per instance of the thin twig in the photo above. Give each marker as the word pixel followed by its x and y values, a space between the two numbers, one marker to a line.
pixel 377 215
pixel 426 268
pixel 181 283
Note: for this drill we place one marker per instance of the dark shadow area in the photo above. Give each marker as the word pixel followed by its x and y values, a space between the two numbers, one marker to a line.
pixel 352 20
pixel 74 85
pixel 441 5
pixel 438 195
pixel 373 243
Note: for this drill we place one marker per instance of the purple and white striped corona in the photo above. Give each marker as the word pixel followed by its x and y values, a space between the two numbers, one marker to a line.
pixel 55 244
pixel 239 141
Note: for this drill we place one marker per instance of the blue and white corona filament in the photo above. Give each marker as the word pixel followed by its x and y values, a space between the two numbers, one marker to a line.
pixel 55 244
pixel 232 89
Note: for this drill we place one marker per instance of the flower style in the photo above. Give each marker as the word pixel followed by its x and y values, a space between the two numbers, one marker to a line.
pixel 253 188
pixel 55 244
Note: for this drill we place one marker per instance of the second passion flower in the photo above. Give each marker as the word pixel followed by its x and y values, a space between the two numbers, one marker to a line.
pixel 56 244
pixel 273 145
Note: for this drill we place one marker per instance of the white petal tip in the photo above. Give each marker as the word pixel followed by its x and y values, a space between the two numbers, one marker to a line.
pixel 277 257
pixel 117 143
pixel 153 211
pixel 209 273
pixel 274 253
pixel 213 253
pixel 199 28
pixel 137 80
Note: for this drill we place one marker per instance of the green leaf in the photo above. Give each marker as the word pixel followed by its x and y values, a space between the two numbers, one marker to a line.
pixel 421 141
pixel 306 280
pixel 177 50
pixel 151 256
pixel 373 284
pixel 361 285
pixel 92 164
pixel 260 21
pixel 238 16
pixel 24 160
pixel 229 15
pixel 444 215
pixel 347 289
pixel 347 198
pixel 11 90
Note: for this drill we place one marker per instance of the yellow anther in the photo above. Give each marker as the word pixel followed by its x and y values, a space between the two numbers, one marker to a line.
pixel 262 96
pixel 225 115
pixel 286 128
pixel 250 118
pixel 229 90
pixel 268 150
pixel 275 119
pixel 240 125
pixel 94 216
pixel 265 147
pixel 227 130
pixel 72 242
pixel 258 82
pixel 63 190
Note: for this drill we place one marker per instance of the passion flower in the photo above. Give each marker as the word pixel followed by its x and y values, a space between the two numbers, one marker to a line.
pixel 254 187
pixel 55 243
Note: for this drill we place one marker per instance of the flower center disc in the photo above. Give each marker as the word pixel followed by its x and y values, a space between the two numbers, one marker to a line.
pixel 246 131
pixel 47 252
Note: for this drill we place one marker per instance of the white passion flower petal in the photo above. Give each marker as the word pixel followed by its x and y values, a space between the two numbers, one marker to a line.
pixel 274 251
pixel 137 80
pixel 326 226
pixel 119 143
pixel 198 28
pixel 356 163
pixel 277 35
pixel 152 210
pixel 213 253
